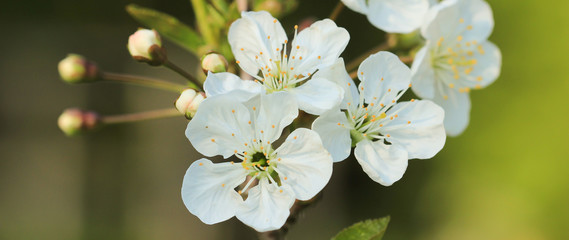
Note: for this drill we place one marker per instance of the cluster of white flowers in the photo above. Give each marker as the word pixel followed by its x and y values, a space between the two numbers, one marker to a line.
pixel 245 119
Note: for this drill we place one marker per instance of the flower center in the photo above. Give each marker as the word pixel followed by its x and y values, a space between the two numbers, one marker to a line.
pixel 278 69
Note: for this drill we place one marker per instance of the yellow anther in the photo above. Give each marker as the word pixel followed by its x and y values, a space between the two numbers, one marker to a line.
pixel 456 76
pixel 285 178
pixel 339 124
pixel 240 190
pixel 273 126
pixel 233 134
pixel 319 57
pixel 300 58
pixel 233 111
pixel 479 79
pixel 380 125
pixel 294 137
pixel 201 164
pixel 237 62
pixel 262 131
pixel 371 104
pixel 408 122
pixel 254 108
pixel 445 97
pixel 412 100
pixel 297 47
pixel 389 90
pixel 469 27
pixel 451 85
pixel 281 191
pixel 450 61
pixel 245 144
pixel 249 122
pixel 381 79
pixel 242 49
pixel 478 86
pixel 268 37
pixel 222 185
pixel 212 140
pixel 295 26
pixel 461 20
pixel 388 135
pixel 279 159
pixel 459 38
pixel 278 49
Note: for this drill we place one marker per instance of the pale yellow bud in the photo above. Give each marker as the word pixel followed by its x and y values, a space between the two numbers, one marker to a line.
pixel 189 101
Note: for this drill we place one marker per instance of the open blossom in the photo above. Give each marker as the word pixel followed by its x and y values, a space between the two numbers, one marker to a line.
pixel 395 16
pixel 385 133
pixel 261 49
pixel 456 58
pixel 298 169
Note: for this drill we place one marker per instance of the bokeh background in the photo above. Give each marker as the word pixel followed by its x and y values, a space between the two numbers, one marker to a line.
pixel 506 177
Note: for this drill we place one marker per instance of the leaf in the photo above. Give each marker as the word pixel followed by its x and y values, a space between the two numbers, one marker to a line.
pixel 168 26
pixel 372 229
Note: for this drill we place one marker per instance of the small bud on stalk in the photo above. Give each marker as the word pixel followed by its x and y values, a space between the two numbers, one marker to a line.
pixel 77 69
pixel 145 45
pixel 189 101
pixel 214 62
pixel 74 121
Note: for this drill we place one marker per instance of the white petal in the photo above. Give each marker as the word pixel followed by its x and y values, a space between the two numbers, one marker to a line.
pixel 319 46
pixel 384 164
pixel 472 20
pixel 318 95
pixel 457 110
pixel 221 83
pixel 208 190
pixel 423 75
pixel 487 67
pixel 337 73
pixel 384 75
pixel 418 128
pixel 255 32
pixel 397 16
pixel 356 5
pixel 267 207
pixel 305 163
pixel 220 126
pixel 335 138
pixel 277 111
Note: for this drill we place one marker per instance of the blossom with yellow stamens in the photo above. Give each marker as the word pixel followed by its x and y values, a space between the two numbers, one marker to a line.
pixel 298 169
pixel 456 58
pixel 385 133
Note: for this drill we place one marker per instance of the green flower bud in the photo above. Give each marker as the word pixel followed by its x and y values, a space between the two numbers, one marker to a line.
pixel 74 121
pixel 214 62
pixel 189 101
pixel 76 69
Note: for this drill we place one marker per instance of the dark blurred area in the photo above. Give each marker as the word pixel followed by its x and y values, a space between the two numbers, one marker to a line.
pixel 504 178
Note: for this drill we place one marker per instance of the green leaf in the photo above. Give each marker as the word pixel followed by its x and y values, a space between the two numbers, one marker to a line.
pixel 168 26
pixel 372 229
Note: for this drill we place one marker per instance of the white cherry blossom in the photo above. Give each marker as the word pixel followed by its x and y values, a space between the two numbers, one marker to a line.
pixel 456 58
pixel 271 179
pixel 395 16
pixel 385 133
pixel 262 49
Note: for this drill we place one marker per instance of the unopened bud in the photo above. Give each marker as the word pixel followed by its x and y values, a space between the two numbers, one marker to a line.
pixel 145 45
pixel 74 121
pixel 77 69
pixel 214 62
pixel 189 101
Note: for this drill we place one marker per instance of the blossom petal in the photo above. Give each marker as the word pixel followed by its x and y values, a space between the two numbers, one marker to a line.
pixel 472 20
pixel 487 68
pixel 318 95
pixel 221 83
pixel 400 16
pixel 304 163
pixel 267 206
pixel 277 111
pixel 253 33
pixel 457 110
pixel 418 128
pixel 356 5
pixel 220 126
pixel 337 73
pixel 384 75
pixel 423 75
pixel 384 164
pixel 318 46
pixel 334 130
pixel 208 190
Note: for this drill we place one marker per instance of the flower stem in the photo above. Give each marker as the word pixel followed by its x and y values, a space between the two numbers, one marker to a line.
pixel 390 42
pixel 193 81
pixel 135 117
pixel 242 5
pixel 206 30
pixel 337 10
pixel 142 81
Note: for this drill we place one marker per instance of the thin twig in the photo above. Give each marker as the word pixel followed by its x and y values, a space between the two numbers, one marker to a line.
pixel 337 10
pixel 197 84
pixel 135 117
pixel 142 81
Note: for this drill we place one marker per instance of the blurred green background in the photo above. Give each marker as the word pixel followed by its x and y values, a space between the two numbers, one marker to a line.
pixel 504 178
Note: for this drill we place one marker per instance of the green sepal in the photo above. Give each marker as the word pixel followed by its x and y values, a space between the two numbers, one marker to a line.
pixel 372 229
pixel 168 26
